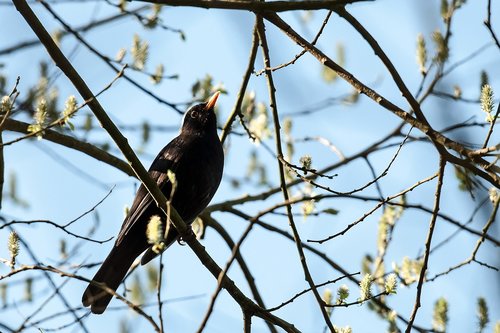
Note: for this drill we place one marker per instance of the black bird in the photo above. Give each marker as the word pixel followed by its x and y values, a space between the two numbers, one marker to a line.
pixel 197 159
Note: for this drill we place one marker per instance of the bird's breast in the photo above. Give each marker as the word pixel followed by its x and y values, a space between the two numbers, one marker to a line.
pixel 198 176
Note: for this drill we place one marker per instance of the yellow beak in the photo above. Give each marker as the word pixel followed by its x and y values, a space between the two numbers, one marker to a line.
pixel 211 102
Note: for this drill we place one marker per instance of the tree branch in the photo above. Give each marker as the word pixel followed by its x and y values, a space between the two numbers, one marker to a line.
pixel 72 143
pixel 257 6
pixel 423 271
pixel 274 107
pixel 122 143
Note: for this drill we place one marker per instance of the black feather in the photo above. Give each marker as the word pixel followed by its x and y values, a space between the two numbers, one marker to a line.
pixel 196 157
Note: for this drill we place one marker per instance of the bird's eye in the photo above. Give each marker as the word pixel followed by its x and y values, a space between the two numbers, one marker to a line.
pixel 194 114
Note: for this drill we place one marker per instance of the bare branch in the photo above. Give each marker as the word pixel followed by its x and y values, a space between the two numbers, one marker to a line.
pixel 279 152
pixel 274 6
pixel 437 194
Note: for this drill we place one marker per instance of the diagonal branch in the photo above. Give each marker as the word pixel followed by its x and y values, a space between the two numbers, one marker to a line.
pixel 63 63
pixel 72 143
pixel 83 28
pixel 387 62
pixel 241 92
pixel 489 172
pixel 211 222
pixel 487 23
pixel 107 60
pixel 432 224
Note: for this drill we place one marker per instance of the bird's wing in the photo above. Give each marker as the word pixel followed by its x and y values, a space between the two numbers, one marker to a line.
pixel 167 159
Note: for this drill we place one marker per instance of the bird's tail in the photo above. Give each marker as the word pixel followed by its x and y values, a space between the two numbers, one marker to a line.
pixel 111 273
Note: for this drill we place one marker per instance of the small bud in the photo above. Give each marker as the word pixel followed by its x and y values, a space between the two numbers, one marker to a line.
pixel 342 294
pixel 346 329
pixel 154 233
pixel 391 284
pixel 445 10
pixel 146 132
pixel 140 52
pixel 287 125
pixel 421 54
pixel 152 273
pixel 57 36
pixel 327 296
pixel 366 287
pixel 493 195
pixel 259 124
pixel 137 291
pixel 120 55
pixel 158 75
pixel 306 161
pixel 13 246
pixel 123 5
pixel 308 208
pixel 87 125
pixel 487 103
pixel 3 293
pixel 5 105
pixel 442 51
pixel 126 210
pixel 198 227
pixel 40 119
pixel 409 270
pixel 63 249
pixel 28 290
pixel 329 75
pixel 440 316
pixel 173 181
pixel 482 313
pixel 70 106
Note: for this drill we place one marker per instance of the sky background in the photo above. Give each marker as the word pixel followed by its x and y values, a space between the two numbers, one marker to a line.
pixel 218 44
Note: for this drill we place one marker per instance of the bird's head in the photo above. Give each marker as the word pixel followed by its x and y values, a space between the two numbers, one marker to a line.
pixel 200 118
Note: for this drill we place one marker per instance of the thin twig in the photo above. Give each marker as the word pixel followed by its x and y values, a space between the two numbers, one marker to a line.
pixel 440 141
pixel 297 295
pixel 158 292
pixel 61 120
pixel 490 130
pixel 234 254
pixel 371 211
pixel 487 23
pixel 107 60
pixel 243 265
pixel 423 271
pixel 480 241
pixel 243 87
pixel 84 28
pixel 49 269
pixel 183 230
pixel 324 257
pixel 297 57
pixel 71 142
pixel 279 152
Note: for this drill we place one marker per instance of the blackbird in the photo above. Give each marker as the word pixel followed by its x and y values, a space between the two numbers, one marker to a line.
pixel 197 159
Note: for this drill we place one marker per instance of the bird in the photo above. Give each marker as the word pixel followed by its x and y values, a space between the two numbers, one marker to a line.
pixel 196 158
